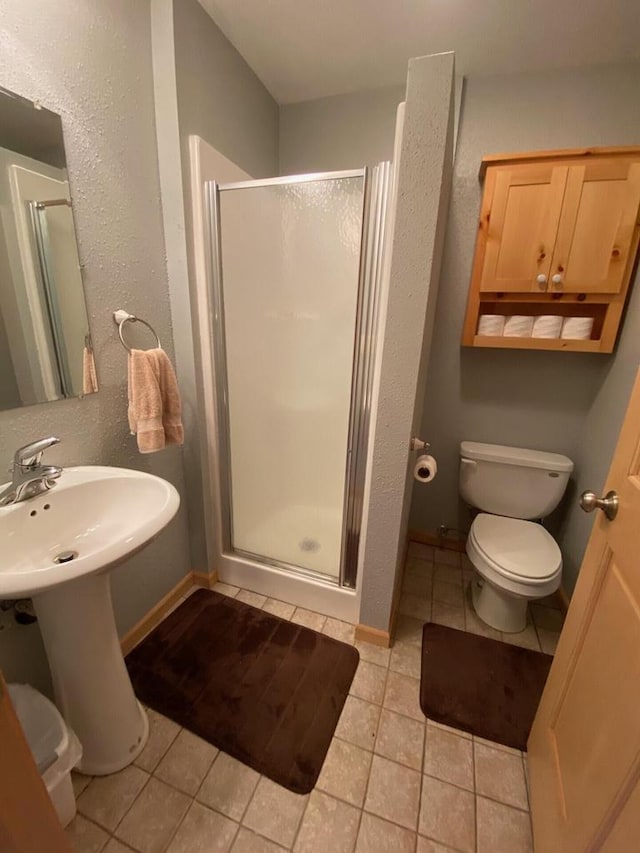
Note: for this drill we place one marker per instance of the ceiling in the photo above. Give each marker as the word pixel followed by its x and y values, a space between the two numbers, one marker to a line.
pixel 303 49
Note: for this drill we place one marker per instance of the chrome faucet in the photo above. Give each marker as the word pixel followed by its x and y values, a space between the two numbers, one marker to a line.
pixel 29 477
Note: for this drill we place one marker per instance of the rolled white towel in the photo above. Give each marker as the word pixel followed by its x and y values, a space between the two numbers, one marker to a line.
pixel 491 325
pixel 518 326
pixel 577 328
pixel 547 326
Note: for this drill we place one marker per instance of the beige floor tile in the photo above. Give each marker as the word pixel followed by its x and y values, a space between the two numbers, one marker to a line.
pixel 401 739
pixel 500 776
pixel 279 608
pixel 116 846
pixel 548 618
pixel 249 842
pixel 416 567
pixel 447 573
pixel 393 792
pixel 371 653
pixel 402 695
pixel 275 812
pixel 228 786
pixel 447 815
pixel 502 829
pixel 427 845
pixel 358 723
pixel 432 724
pixel 151 821
pixel 409 630
pixel 79 782
pixel 226 589
pixel 406 659
pixel 418 583
pixel 162 733
pixel 527 639
pixel 447 614
pixel 446 556
pixel 203 831
pixel 252 598
pixel 369 682
pixel 342 631
pixel 308 618
pixel 420 551
pixel 86 836
pixel 449 757
pixel 548 640
pixel 417 606
pixel 492 744
pixel 186 762
pixel 328 824
pixel 379 836
pixel 345 772
pixel 448 593
pixel 107 798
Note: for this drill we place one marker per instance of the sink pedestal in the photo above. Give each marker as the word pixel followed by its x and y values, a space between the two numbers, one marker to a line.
pixel 92 686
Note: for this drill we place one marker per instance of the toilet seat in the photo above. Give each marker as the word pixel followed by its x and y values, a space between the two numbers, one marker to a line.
pixel 515 555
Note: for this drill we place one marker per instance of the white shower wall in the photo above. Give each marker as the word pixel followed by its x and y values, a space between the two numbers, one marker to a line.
pixel 290 261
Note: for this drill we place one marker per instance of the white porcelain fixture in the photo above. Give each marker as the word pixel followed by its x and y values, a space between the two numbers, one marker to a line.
pixel 57 548
pixel 516 558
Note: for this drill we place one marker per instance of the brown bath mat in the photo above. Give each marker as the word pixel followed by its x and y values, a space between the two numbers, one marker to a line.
pixel 482 686
pixel 262 689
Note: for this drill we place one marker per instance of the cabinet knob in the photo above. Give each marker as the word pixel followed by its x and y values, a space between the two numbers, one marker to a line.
pixel 556 279
pixel 541 279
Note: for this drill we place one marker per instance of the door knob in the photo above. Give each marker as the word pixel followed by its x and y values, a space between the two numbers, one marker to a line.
pixel 541 279
pixel 556 279
pixel 608 504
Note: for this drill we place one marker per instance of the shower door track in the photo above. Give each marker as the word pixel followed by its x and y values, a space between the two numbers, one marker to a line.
pixel 373 220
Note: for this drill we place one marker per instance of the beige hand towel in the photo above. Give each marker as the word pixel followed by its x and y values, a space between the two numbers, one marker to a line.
pixel 89 377
pixel 154 400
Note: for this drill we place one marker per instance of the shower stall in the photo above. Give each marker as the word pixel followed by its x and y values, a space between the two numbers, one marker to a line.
pixel 295 268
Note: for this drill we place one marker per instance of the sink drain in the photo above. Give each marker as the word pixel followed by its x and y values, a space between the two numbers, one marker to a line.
pixel 65 557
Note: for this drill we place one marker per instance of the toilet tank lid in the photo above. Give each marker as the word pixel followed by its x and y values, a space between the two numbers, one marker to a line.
pixel 516 456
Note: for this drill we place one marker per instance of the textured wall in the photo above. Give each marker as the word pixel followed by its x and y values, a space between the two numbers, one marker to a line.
pixel 341 132
pixel 91 62
pixel 550 401
pixel 220 99
pixel 424 174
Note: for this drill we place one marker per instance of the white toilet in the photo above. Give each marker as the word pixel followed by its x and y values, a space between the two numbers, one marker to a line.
pixel 517 559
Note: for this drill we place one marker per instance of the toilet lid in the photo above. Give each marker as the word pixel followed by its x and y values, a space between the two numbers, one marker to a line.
pixel 523 549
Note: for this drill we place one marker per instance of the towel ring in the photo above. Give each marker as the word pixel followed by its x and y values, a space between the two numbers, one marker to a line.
pixel 131 318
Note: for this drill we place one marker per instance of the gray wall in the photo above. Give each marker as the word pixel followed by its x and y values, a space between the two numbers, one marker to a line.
pixel 341 132
pixel 569 403
pixel 101 84
pixel 220 99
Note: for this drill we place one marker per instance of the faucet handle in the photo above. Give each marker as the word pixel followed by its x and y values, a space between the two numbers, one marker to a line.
pixel 30 455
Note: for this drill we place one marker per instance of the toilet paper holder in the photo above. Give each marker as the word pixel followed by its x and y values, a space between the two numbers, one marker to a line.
pixel 418 444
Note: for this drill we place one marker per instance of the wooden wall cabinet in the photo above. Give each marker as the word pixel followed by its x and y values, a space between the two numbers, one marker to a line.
pixel 558 235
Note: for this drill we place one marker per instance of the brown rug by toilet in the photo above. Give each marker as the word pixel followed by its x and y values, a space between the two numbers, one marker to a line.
pixel 482 686
pixel 264 690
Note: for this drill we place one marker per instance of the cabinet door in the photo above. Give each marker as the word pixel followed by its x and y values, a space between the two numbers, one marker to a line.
pixel 523 224
pixel 597 226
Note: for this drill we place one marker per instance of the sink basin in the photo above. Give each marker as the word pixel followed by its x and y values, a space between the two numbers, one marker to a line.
pixel 57 548
pixel 91 520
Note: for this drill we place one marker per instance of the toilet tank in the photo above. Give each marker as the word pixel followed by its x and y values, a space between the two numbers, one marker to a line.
pixel 512 481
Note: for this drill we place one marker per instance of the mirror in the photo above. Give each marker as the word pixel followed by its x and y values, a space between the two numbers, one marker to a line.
pixel 45 343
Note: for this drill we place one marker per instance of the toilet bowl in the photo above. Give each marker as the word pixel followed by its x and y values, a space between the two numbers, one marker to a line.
pixel 515 558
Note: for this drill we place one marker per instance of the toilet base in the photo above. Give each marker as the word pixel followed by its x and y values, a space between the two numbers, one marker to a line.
pixel 500 610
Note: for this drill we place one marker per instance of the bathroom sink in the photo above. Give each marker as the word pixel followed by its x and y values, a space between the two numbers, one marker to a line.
pixel 57 548
pixel 91 520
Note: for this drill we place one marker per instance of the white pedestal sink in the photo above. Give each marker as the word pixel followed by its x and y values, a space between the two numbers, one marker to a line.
pixel 57 548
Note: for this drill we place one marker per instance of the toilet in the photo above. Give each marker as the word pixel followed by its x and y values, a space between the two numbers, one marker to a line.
pixel 517 560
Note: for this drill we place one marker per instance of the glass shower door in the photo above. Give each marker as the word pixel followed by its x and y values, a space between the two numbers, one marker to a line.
pixel 289 259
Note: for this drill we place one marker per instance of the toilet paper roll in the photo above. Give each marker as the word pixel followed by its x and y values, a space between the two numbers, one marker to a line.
pixel 491 325
pixel 518 326
pixel 577 328
pixel 547 326
pixel 425 468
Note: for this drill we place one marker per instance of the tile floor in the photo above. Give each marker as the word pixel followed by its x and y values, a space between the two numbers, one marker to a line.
pixel 392 781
